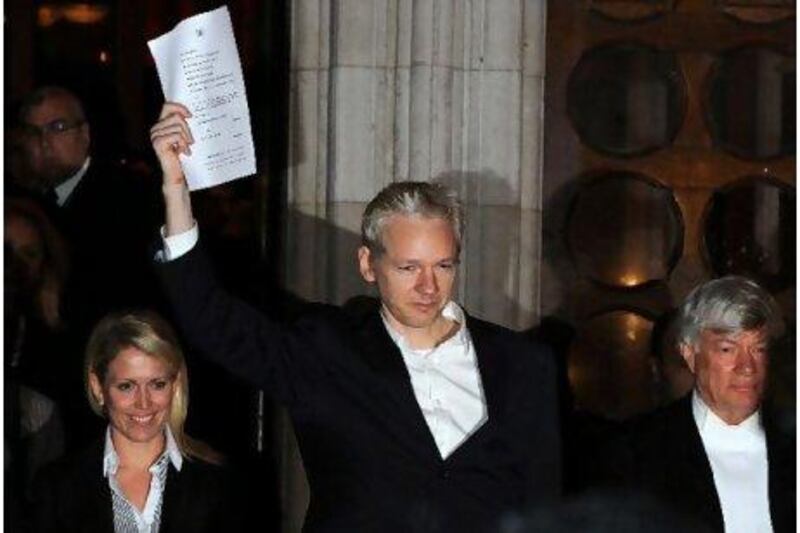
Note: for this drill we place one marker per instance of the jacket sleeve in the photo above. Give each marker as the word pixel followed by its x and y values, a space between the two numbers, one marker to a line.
pixel 279 358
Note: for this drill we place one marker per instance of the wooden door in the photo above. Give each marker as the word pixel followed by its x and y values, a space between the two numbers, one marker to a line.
pixel 669 160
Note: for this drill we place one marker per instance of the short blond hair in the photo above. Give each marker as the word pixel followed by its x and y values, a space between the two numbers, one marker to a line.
pixel 410 198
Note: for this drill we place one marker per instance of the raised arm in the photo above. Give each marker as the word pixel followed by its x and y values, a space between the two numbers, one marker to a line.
pixel 170 137
pixel 215 323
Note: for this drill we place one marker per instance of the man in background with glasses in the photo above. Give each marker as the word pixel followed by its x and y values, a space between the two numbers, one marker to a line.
pixel 56 138
pixel 100 206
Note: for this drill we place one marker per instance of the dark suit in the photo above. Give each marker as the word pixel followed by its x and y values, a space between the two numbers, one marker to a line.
pixel 108 220
pixel 371 461
pixel 73 496
pixel 669 461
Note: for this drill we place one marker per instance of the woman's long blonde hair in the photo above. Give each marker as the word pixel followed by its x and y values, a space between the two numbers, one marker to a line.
pixel 148 332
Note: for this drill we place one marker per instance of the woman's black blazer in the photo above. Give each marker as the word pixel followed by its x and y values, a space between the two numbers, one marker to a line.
pixel 72 495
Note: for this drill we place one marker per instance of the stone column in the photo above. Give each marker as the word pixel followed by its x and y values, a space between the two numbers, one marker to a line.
pixel 390 90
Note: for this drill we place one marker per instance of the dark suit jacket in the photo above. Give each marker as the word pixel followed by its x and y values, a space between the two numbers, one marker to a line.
pixel 669 461
pixel 109 220
pixel 371 461
pixel 73 496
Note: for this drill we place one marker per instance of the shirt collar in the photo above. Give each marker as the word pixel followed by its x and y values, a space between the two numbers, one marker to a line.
pixel 451 311
pixel 708 422
pixel 64 190
pixel 111 459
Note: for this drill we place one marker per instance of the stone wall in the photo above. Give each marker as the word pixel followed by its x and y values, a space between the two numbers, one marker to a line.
pixel 390 90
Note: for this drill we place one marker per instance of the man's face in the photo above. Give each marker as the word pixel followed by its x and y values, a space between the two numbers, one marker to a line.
pixel 56 140
pixel 730 371
pixel 416 271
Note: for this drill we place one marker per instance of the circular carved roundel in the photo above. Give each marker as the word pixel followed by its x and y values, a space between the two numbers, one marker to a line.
pixel 750 104
pixel 749 229
pixel 626 99
pixel 624 229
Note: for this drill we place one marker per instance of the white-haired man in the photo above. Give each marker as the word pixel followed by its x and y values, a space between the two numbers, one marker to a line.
pixel 716 456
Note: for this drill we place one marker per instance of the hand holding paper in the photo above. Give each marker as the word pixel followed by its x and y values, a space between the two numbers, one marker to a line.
pixel 198 65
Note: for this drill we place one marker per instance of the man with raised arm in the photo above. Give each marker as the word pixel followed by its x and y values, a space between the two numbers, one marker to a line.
pixel 410 415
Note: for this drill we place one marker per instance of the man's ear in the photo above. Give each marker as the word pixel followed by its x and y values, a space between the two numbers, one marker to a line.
pixel 687 352
pixel 365 264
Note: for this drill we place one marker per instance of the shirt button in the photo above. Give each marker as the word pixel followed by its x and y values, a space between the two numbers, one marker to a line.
pixel 444 473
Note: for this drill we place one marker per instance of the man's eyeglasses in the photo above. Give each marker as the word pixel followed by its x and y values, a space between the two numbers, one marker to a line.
pixel 54 128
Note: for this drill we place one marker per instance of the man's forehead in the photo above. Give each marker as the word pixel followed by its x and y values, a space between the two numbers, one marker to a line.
pixel 756 335
pixel 53 107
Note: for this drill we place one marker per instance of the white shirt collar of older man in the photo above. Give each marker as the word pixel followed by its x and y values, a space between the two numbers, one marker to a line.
pixel 748 434
pixel 738 458
pixel 447 384
pixel 64 190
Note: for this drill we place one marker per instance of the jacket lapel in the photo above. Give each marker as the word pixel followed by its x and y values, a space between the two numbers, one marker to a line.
pixel 383 357
pixel 693 473
pixel 76 202
pixel 172 504
pixel 781 463
pixel 492 368
pixel 97 512
pixel 384 360
pixel 492 375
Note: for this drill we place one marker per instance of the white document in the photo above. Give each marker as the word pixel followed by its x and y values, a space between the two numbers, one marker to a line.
pixel 198 65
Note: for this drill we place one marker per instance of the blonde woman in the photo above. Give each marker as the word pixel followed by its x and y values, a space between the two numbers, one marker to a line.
pixel 146 475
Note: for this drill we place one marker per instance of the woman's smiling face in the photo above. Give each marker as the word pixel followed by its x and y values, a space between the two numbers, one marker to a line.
pixel 137 394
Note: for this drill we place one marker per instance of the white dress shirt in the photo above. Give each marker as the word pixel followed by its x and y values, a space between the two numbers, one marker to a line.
pixel 64 190
pixel 127 517
pixel 446 383
pixel 738 457
pixel 446 379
